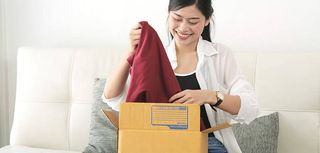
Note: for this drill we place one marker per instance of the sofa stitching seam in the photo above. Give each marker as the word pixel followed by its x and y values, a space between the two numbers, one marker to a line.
pixel 70 97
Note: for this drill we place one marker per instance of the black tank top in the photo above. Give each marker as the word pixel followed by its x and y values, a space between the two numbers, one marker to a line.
pixel 191 82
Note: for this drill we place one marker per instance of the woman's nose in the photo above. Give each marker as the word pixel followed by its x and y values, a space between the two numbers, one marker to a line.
pixel 183 26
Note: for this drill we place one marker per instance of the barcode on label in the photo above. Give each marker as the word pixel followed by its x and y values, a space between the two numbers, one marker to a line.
pixel 175 117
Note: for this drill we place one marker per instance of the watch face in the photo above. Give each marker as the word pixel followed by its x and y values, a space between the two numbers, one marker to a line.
pixel 220 95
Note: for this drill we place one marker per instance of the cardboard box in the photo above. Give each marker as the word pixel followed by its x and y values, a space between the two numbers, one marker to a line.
pixel 160 128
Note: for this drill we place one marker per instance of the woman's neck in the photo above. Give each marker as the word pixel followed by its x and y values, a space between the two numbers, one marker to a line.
pixel 180 48
pixel 186 58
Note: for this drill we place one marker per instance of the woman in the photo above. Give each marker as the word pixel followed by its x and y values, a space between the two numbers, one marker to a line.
pixel 207 73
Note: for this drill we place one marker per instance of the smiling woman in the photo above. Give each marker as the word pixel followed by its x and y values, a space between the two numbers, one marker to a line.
pixel 207 73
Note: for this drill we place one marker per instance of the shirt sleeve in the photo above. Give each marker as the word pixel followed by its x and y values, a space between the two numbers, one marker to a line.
pixel 115 102
pixel 237 84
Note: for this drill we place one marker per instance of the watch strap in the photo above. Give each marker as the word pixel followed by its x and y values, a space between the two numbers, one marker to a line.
pixel 218 102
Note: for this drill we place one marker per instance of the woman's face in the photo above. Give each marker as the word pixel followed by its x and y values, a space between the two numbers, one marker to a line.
pixel 186 25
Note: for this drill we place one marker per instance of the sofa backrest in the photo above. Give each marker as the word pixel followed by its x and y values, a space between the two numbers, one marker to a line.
pixel 55 93
pixel 288 83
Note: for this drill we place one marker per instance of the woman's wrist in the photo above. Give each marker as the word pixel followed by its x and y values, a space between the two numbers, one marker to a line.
pixel 128 53
pixel 125 57
pixel 212 97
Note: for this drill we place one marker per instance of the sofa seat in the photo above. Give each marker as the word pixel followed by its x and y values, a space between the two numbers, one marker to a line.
pixel 55 95
pixel 24 149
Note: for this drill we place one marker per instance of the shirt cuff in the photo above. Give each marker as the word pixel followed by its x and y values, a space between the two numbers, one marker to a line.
pixel 114 102
pixel 249 110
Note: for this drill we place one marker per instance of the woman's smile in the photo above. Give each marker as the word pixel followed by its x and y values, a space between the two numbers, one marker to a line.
pixel 182 35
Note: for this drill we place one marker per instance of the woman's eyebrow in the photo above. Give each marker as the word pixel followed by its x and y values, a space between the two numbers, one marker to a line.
pixel 177 14
pixel 186 18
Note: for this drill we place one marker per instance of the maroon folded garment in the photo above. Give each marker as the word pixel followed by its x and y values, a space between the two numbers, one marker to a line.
pixel 152 77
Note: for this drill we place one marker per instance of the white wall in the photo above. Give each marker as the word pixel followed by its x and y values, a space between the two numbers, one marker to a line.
pixel 269 25
pixel 3 83
pixel 246 25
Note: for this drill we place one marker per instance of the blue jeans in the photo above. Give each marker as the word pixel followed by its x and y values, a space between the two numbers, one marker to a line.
pixel 215 146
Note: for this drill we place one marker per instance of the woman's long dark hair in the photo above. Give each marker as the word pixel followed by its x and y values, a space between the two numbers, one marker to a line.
pixel 205 8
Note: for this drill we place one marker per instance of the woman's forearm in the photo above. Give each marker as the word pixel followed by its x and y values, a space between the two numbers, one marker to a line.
pixel 231 104
pixel 118 79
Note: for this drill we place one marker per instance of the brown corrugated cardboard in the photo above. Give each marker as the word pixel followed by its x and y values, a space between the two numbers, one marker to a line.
pixel 160 128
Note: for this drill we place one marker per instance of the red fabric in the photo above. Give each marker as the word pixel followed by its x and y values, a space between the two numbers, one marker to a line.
pixel 152 77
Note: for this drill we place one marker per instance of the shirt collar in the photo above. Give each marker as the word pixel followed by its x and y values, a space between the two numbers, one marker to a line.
pixel 204 47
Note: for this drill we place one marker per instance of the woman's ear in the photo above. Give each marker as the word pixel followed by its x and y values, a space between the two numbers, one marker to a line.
pixel 207 21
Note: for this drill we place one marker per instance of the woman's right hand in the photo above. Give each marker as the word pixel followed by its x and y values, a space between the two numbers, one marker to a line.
pixel 134 37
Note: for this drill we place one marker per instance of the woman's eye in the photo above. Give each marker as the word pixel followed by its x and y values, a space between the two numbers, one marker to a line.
pixel 177 19
pixel 193 22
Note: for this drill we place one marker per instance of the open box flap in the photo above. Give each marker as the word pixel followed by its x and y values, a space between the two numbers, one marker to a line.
pixel 112 117
pixel 219 126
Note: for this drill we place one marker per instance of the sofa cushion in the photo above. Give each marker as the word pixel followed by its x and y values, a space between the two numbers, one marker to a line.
pixel 261 135
pixel 25 149
pixel 103 135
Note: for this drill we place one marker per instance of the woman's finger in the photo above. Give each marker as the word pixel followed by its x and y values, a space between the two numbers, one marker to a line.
pixel 135 32
pixel 176 96
pixel 135 42
pixel 181 100
pixel 135 37
pixel 189 101
pixel 137 26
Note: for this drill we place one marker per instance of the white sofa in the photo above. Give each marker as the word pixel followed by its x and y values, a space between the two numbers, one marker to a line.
pixel 54 97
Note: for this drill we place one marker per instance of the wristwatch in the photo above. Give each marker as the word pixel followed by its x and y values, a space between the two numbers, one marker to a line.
pixel 219 97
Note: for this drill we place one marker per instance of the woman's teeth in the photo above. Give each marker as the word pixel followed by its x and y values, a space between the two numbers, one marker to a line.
pixel 183 36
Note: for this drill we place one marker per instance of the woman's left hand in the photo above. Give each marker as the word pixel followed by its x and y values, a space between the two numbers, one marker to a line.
pixel 194 97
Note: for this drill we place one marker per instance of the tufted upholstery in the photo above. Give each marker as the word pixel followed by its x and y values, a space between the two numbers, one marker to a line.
pixel 290 84
pixel 54 96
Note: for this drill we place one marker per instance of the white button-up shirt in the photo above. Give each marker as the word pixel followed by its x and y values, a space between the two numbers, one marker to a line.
pixel 216 69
